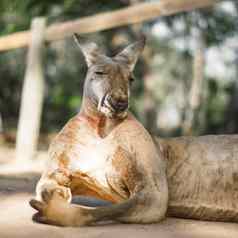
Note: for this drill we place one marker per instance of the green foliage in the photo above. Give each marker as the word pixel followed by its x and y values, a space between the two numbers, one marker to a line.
pixel 65 68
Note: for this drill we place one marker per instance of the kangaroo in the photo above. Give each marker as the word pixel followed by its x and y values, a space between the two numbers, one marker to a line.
pixel 104 152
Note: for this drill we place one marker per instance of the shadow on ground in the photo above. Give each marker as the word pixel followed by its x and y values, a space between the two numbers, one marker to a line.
pixel 18 183
pixel 16 189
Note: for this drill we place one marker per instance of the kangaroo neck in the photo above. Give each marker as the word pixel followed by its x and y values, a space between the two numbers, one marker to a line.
pixel 101 124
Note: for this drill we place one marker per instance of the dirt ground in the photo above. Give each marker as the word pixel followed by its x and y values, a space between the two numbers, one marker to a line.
pixel 15 220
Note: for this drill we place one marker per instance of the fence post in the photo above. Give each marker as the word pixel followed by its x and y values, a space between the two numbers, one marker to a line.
pixel 32 95
pixel 196 93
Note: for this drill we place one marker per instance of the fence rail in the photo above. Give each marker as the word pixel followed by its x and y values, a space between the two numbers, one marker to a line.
pixel 129 15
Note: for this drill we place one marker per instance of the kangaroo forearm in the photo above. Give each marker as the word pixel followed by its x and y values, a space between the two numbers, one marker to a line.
pixel 51 183
pixel 62 213
pixel 42 184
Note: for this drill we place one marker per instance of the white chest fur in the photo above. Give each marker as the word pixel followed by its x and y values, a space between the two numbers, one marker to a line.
pixel 92 158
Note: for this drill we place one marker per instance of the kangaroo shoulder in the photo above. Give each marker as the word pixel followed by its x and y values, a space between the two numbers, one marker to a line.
pixel 68 136
pixel 135 136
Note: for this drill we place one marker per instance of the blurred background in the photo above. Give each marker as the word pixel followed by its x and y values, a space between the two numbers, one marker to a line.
pixel 185 84
pixel 186 80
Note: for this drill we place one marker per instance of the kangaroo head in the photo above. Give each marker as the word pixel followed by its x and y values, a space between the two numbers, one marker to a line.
pixel 108 79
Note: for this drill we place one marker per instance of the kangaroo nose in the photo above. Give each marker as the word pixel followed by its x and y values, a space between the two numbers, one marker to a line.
pixel 118 104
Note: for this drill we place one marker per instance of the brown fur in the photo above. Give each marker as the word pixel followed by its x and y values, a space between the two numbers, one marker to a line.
pixel 210 166
pixel 106 153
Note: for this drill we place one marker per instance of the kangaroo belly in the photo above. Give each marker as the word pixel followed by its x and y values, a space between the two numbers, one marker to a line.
pixel 89 166
pixel 203 177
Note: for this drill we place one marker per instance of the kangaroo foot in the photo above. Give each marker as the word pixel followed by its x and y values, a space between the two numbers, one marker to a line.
pixel 55 210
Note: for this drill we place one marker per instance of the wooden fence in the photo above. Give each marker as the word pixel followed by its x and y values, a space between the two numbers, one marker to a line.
pixel 33 85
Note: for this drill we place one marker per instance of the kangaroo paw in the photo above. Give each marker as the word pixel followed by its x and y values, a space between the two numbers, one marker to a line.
pixel 50 209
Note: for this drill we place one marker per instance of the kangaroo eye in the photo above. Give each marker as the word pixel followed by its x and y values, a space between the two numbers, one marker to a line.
pixel 100 73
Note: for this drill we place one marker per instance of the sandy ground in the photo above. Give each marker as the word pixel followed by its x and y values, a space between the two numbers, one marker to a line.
pixel 15 220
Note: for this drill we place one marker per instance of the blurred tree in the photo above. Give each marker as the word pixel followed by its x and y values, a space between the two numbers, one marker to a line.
pixel 63 62
pixel 217 26
pixel 169 65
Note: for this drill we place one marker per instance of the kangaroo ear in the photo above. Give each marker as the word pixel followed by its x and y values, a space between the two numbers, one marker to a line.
pixel 90 50
pixel 131 53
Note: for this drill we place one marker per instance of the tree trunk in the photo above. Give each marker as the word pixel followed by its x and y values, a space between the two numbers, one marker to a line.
pixel 32 95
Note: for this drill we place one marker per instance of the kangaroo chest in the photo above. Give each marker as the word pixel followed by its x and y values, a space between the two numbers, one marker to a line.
pixel 92 158
pixel 91 163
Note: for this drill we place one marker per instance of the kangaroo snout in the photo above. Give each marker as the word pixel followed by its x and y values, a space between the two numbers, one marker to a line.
pixel 118 104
